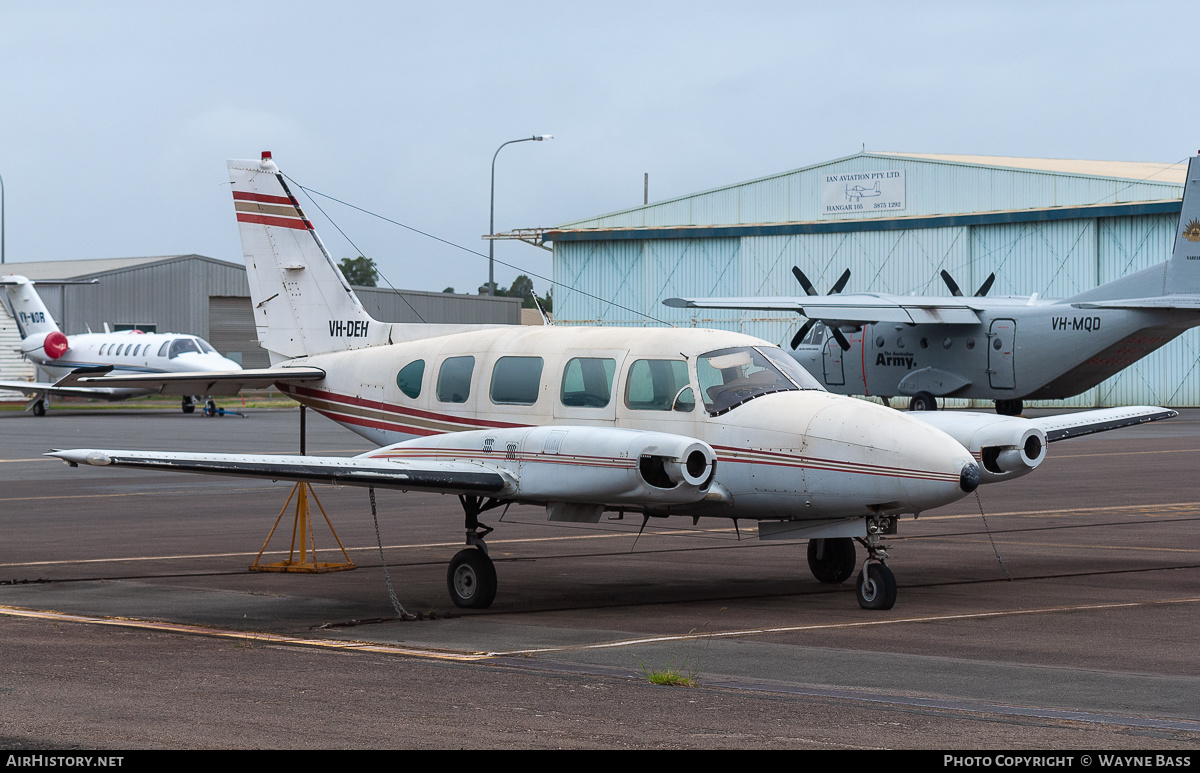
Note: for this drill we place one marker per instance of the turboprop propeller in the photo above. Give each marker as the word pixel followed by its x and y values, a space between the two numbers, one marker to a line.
pixel 838 286
pixel 955 290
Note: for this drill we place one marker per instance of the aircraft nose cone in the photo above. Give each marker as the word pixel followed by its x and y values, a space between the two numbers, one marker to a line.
pixel 968 478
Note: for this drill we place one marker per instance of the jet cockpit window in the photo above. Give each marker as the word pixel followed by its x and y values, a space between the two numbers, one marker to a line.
pixel 183 346
pixel 730 377
pixel 409 378
pixel 205 346
pixel 587 382
pixel 655 385
pixel 517 380
pixel 454 380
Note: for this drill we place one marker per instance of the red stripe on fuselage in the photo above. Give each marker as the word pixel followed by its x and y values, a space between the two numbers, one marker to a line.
pixel 262 197
pixel 319 394
pixel 299 225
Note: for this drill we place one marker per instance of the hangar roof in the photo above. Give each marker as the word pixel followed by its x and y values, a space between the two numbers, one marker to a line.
pixel 934 186
pixel 78 269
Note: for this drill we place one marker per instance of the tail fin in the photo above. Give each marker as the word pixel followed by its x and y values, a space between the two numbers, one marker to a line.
pixel 1183 269
pixel 32 316
pixel 302 303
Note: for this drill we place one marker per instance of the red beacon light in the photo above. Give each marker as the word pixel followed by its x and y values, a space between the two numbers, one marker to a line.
pixel 266 155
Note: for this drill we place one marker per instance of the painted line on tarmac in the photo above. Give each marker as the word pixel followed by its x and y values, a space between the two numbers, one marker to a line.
pixel 686 637
pixel 1132 509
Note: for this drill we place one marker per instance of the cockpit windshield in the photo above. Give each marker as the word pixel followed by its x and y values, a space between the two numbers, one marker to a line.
pixel 183 346
pixel 730 377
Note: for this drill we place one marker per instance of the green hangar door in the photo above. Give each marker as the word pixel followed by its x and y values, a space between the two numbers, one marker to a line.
pixel 1001 339
pixel 231 331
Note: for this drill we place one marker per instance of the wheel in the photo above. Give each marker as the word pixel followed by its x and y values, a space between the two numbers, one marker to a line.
pixel 189 406
pixel 210 408
pixel 1009 407
pixel 39 408
pixel 922 401
pixel 837 560
pixel 876 587
pixel 471 578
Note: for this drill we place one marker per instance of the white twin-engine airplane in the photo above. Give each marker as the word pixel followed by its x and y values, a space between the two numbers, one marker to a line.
pixel 127 351
pixel 662 422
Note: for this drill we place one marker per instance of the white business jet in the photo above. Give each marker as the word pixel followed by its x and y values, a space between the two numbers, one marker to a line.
pixel 661 422
pixel 126 351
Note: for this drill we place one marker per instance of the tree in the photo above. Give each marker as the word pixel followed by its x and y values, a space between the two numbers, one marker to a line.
pixel 359 271
pixel 448 290
pixel 522 287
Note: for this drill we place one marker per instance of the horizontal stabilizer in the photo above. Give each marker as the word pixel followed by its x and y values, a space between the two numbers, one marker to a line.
pixel 1069 425
pixel 200 382
pixel 1157 303
pixel 38 388
pixel 448 477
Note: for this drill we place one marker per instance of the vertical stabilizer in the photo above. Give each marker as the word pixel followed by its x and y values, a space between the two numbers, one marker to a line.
pixel 32 316
pixel 1183 270
pixel 302 303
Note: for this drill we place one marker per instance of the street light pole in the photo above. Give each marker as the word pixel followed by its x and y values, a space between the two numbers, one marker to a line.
pixel 492 210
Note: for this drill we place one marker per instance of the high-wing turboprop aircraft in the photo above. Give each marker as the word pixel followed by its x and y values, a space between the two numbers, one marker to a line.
pixel 127 351
pixel 662 422
pixel 1003 349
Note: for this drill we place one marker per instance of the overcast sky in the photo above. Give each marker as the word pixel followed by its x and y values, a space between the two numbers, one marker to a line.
pixel 116 118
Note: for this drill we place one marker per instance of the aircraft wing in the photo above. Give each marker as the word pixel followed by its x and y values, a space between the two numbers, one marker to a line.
pixel 1069 425
pixel 850 308
pixel 445 477
pixel 36 388
pixel 192 383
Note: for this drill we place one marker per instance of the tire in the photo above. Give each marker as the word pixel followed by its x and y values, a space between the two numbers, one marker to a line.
pixel 210 408
pixel 1009 407
pixel 922 401
pixel 838 561
pixel 189 406
pixel 876 587
pixel 39 408
pixel 471 579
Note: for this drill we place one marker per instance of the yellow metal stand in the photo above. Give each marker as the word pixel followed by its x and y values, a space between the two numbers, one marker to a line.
pixel 308 548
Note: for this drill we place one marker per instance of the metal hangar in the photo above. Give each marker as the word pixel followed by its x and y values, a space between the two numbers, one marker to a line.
pixel 1046 226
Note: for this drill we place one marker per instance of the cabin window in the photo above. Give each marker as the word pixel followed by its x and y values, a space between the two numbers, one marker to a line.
pixel 409 378
pixel 653 385
pixel 162 350
pixel 103 347
pixel 516 380
pixel 587 382
pixel 454 380
pixel 730 377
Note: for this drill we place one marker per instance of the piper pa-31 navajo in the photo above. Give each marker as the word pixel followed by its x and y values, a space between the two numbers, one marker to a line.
pixel 661 422
pixel 126 351
pixel 1004 349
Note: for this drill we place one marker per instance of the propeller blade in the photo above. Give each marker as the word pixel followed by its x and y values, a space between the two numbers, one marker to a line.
pixel 840 283
pixel 803 331
pixel 954 288
pixel 803 280
pixel 841 339
pixel 987 285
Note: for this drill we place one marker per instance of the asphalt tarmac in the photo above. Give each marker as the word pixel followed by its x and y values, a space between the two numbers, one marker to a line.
pixel 1053 612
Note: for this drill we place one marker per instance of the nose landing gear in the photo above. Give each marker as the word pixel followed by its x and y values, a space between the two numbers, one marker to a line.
pixel 876 586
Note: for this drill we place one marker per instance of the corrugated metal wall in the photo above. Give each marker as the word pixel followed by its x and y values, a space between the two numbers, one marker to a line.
pixel 1054 259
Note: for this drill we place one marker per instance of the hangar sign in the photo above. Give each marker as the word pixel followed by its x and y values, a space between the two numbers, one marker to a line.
pixel 852 192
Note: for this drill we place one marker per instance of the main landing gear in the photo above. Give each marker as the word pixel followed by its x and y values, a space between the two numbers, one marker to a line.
pixel 39 405
pixel 471 575
pixel 922 401
pixel 188 404
pixel 832 560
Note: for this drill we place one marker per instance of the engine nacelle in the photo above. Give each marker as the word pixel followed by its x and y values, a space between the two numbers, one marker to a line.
pixel 584 465
pixel 1007 447
pixel 45 346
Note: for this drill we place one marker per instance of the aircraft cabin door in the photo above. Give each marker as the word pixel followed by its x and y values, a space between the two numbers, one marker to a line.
pixel 1002 337
pixel 835 372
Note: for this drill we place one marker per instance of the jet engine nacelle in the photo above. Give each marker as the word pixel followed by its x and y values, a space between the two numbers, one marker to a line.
pixel 592 465
pixel 48 346
pixel 1007 447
